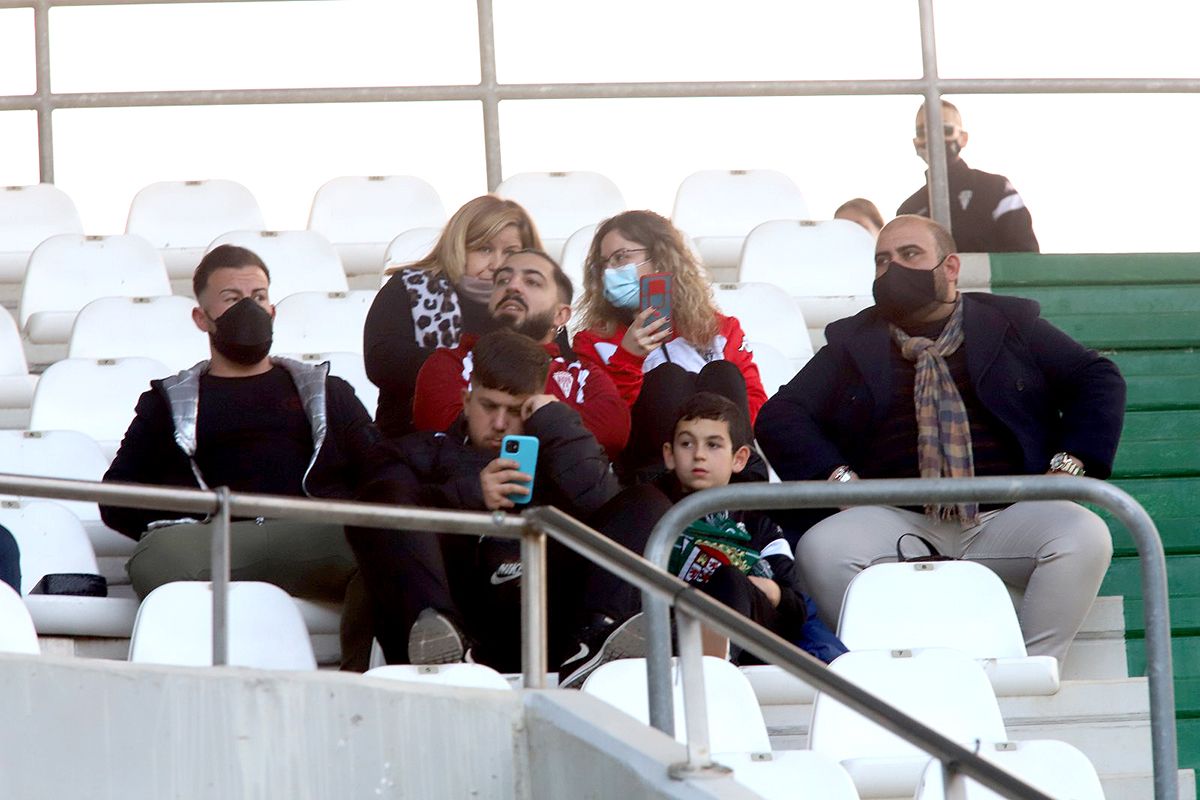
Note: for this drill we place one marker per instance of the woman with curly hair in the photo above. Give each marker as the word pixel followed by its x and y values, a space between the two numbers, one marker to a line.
pixel 658 366
pixel 431 303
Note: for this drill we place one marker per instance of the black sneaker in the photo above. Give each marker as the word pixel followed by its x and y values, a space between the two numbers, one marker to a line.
pixel 599 643
pixel 435 639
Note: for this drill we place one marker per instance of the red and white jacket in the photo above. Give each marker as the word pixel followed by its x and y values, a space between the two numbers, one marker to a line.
pixel 581 384
pixel 626 369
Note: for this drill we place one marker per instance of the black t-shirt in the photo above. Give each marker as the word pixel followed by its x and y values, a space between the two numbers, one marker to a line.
pixel 252 434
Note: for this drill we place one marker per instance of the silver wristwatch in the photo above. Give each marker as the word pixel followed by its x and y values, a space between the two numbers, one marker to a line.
pixel 1065 462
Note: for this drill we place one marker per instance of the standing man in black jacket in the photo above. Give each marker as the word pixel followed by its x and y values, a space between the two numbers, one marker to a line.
pixel 986 213
pixel 932 383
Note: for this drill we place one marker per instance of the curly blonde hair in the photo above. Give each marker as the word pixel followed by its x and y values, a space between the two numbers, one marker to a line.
pixel 472 226
pixel 693 311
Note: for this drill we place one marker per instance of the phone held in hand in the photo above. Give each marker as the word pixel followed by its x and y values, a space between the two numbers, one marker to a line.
pixel 523 450
pixel 656 294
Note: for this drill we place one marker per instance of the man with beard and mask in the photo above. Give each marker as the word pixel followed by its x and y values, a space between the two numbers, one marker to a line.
pixel 532 296
pixel 263 425
pixel 930 383
pixel 986 213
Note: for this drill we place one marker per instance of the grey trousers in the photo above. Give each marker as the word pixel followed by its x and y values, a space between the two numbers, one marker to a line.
pixel 1057 551
pixel 309 560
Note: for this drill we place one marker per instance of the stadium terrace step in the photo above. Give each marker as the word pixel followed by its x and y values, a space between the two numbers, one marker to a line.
pixel 1121 317
pixel 1095 269
pixel 1160 379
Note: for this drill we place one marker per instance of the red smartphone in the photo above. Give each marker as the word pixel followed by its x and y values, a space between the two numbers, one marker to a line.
pixel 656 294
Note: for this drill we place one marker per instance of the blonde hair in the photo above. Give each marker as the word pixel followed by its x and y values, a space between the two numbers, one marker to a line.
pixel 472 226
pixel 693 312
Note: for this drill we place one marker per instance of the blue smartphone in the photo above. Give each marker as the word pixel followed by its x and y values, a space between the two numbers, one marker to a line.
pixel 655 293
pixel 523 450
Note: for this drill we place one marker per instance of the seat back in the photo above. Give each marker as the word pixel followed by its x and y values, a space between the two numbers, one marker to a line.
pixel 475 676
pixel 360 215
pixel 349 367
pixel 299 261
pixel 959 604
pixel 55 454
pixel 315 322
pixel 69 271
pixel 409 247
pixel 266 630
pixel 735 721
pixel 28 216
pixel 767 314
pixel 151 327
pixel 12 352
pixel 17 634
pixel 830 258
pixel 563 202
pixel 1056 768
pixel 774 368
pixel 574 256
pixel 51 538
pixel 718 208
pixel 96 397
pixel 180 218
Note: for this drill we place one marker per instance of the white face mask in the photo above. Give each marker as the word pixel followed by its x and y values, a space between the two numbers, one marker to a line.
pixel 621 286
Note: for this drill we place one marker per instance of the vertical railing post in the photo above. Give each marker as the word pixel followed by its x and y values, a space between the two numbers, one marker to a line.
pixel 935 143
pixel 220 579
pixel 695 704
pixel 41 43
pixel 533 607
pixel 491 103
pixel 658 662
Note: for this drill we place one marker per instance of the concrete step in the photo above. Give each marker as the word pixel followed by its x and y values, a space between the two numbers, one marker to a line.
pixel 1136 786
pixel 1098 651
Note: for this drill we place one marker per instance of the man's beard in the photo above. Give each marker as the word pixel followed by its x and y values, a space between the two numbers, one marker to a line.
pixel 535 326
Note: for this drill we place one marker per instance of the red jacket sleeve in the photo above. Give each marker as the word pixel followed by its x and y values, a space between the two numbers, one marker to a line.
pixel 602 409
pixel 740 355
pixel 623 367
pixel 438 398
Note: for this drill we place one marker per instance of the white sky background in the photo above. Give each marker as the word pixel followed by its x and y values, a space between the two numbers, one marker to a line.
pixel 1099 172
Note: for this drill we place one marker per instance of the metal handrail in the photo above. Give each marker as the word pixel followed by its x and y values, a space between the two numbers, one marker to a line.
pixel 916 491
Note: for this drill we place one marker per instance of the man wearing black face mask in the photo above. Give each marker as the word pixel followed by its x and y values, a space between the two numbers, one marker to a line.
pixel 986 213
pixel 933 383
pixel 263 425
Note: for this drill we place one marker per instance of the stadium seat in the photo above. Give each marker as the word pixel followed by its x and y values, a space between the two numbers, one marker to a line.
pixel 574 256
pixel 96 397
pixel 774 368
pixel 782 776
pixel 17 634
pixel 360 215
pixel 314 322
pixel 773 686
pixel 16 384
pixel 299 261
pixel 151 327
pixel 768 314
pixel 563 202
pixel 28 216
pixel 1056 768
pixel 718 208
pixel 408 248
pixel 180 218
pixel 475 676
pixel 350 368
pixel 266 630
pixel 944 689
pixel 958 604
pixel 67 272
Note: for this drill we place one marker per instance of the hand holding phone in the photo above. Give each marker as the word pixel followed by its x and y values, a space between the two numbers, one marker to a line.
pixel 524 451
pixel 656 289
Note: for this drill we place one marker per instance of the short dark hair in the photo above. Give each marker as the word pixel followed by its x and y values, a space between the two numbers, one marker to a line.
pixel 707 405
pixel 227 256
pixel 506 361
pixel 566 289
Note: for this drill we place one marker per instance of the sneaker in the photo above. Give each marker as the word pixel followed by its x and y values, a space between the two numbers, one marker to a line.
pixel 604 641
pixel 435 639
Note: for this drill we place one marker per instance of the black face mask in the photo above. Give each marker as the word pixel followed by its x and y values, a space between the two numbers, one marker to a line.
pixel 901 291
pixel 243 332
pixel 952 151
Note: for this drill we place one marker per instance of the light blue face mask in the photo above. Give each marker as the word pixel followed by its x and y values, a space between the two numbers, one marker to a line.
pixel 621 286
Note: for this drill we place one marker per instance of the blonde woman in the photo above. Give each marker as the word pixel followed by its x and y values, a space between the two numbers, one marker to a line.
pixel 431 303
pixel 656 367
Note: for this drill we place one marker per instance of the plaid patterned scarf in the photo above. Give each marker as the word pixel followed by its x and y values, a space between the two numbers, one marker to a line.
pixel 943 431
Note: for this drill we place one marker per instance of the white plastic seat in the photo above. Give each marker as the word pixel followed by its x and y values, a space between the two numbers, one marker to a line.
pixel 408 248
pixel 782 775
pixel 574 256
pixel 718 208
pixel 767 314
pixel 361 215
pixel 96 397
pixel 17 634
pixel 959 604
pixel 180 218
pixel 151 327
pixel 773 686
pixel 944 689
pixel 1056 768
pixel 563 202
pixel 299 261
pixel 774 368
pixel 266 630
pixel 67 272
pixel 28 216
pixel 16 384
pixel 350 368
pixel 475 676
pixel 314 322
